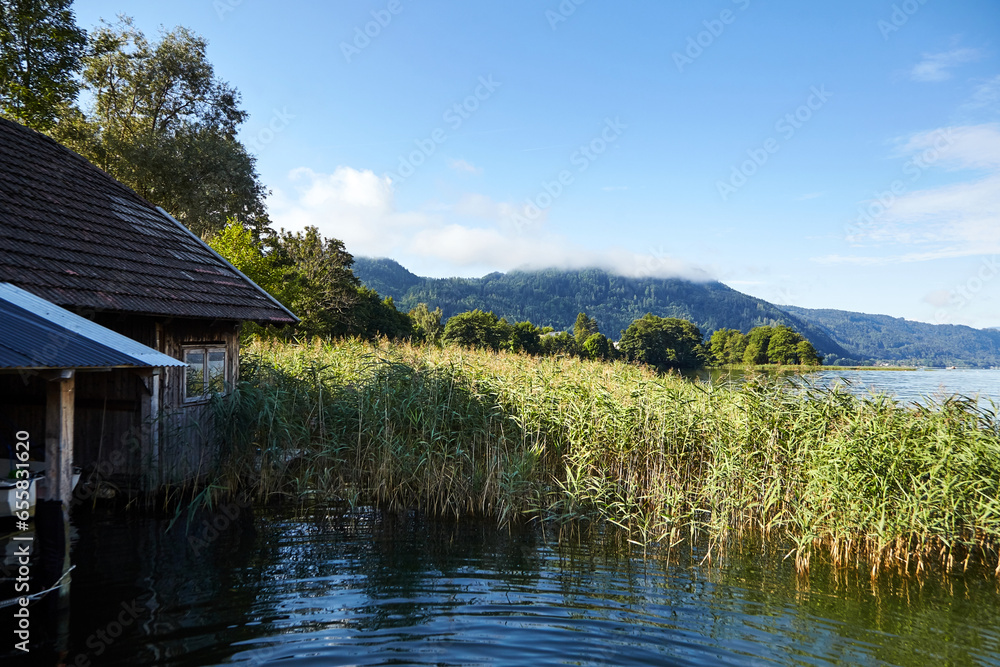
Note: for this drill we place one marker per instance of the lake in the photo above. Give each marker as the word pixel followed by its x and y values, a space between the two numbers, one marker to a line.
pixel 907 386
pixel 325 587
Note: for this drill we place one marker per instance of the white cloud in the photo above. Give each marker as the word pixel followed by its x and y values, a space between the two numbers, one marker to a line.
pixel 355 206
pixel 476 232
pixel 965 147
pixel 967 214
pixel 955 220
pixel 889 260
pixel 936 66
pixel 464 166
pixel 985 96
pixel 481 206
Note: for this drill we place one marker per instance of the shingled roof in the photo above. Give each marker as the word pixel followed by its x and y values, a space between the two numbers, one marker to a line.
pixel 75 236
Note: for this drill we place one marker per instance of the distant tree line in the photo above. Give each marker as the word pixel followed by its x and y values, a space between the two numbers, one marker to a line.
pixel 762 345
pixel 554 297
pixel 312 276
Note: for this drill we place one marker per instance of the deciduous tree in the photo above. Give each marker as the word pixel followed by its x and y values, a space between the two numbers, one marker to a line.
pixel 664 342
pixel 584 328
pixel 477 329
pixel 782 345
pixel 598 347
pixel 40 51
pixel 161 122
pixel 427 323
pixel 757 344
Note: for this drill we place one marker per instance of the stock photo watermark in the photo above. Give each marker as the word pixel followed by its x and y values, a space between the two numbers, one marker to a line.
pixel 786 126
pixel 23 541
pixel 714 27
pixel 900 16
pixel 209 530
pixel 965 293
pixel 455 117
pixel 223 7
pixel 581 159
pixel 883 200
pixel 280 120
pixel 562 13
pixel 364 35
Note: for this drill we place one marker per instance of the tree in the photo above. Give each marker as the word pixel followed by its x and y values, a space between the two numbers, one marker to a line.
pixel 40 51
pixel 163 124
pixel 584 328
pixel 320 287
pixel 736 346
pixel 807 354
pixel 721 345
pixel 664 342
pixel 782 345
pixel 427 324
pixel 598 347
pixel 757 343
pixel 559 343
pixel 312 277
pixel 526 337
pixel 477 329
pixel 237 244
pixel 373 317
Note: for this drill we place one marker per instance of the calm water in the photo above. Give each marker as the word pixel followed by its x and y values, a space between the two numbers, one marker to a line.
pixel 920 386
pixel 385 590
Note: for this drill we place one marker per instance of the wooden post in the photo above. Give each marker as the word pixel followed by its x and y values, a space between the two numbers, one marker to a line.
pixel 59 412
pixel 59 438
pixel 150 430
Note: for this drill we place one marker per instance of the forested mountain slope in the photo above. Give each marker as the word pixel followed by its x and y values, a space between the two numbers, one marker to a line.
pixel 555 297
pixel 881 337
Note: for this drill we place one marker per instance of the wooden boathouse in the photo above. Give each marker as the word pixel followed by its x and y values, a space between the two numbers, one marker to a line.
pixel 74 237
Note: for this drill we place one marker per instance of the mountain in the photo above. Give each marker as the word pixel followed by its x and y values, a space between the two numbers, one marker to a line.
pixel 885 338
pixel 555 297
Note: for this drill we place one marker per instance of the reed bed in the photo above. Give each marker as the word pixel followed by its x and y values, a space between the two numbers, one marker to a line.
pixel 861 481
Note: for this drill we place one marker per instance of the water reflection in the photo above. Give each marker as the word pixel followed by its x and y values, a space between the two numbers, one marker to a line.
pixel 323 587
pixel 917 386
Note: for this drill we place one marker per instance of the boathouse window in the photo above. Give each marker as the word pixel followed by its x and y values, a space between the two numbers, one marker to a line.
pixel 206 372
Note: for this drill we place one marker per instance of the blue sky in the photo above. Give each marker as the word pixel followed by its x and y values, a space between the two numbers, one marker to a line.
pixel 827 155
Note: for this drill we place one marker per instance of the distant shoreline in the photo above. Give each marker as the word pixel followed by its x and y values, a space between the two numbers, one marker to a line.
pixel 808 369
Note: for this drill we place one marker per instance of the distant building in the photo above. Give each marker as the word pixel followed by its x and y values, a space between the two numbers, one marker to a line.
pixel 75 237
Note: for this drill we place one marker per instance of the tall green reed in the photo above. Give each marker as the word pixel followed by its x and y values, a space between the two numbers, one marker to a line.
pixel 862 480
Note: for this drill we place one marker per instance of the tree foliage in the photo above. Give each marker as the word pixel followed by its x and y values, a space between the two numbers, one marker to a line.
pixel 758 341
pixel 727 346
pixel 40 51
pixel 584 328
pixel 311 276
pixel 319 284
pixel 237 244
pixel 555 298
pixel 664 342
pixel 477 329
pixel 374 317
pixel 427 325
pixel 559 343
pixel 763 345
pixel 598 347
pixel 526 338
pixel 161 122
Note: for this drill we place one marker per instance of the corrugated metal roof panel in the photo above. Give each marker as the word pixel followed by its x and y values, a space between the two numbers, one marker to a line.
pixel 35 333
